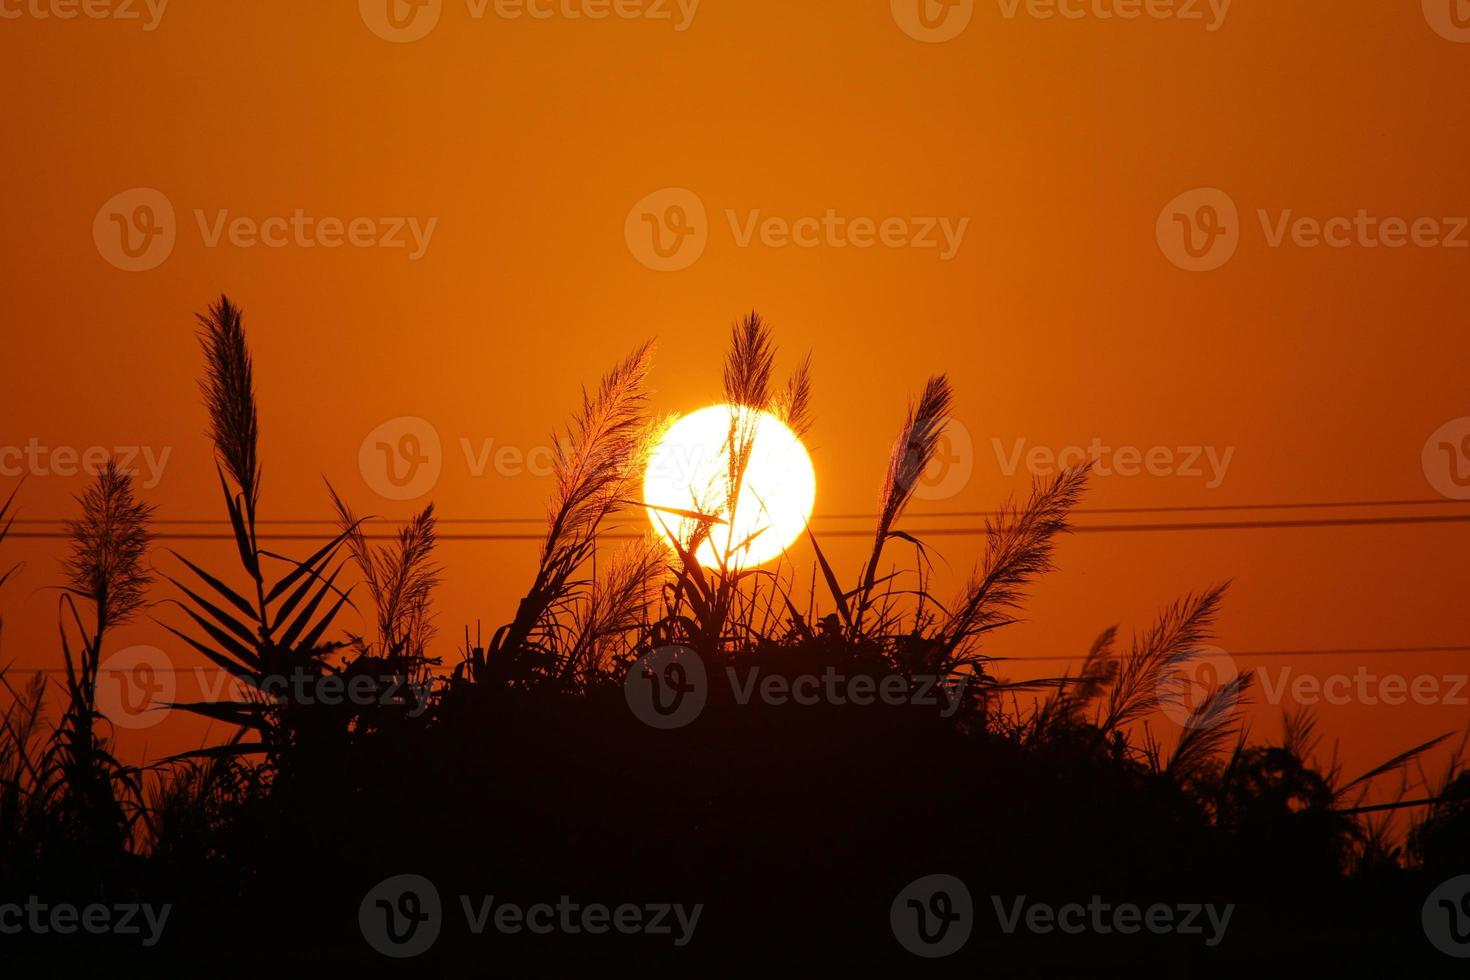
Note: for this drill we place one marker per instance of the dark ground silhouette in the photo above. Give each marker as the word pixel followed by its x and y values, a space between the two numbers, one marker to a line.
pixel 532 772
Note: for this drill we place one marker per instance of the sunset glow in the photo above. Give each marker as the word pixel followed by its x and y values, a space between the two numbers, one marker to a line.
pixel 690 471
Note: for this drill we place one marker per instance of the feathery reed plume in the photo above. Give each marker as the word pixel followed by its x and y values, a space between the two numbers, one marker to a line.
pixel 1098 669
pixel 109 544
pixel 915 448
pixel 595 466
pixel 748 366
pixel 616 605
pixel 400 579
pixel 228 387
pixel 594 470
pixel 1074 694
pixel 7 521
pixel 22 744
pixel 1020 545
pixel 106 566
pixel 1299 732
pixel 1440 827
pixel 1149 677
pixel 1205 730
pixel 793 404
pixel 280 630
pixel 911 455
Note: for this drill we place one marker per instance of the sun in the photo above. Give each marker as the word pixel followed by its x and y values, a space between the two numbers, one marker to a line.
pixel 689 471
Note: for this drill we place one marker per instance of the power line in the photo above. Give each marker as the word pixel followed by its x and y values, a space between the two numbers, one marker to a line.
pixel 1297 505
pixel 1236 654
pixel 845 533
pixel 914 515
pixel 1265 654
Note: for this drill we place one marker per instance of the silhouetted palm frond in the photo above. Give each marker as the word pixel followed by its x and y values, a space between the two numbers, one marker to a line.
pixel 280 630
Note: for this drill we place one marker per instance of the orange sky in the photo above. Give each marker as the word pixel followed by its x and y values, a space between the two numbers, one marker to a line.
pixel 526 151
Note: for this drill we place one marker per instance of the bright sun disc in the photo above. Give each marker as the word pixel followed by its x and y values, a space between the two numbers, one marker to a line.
pixel 689 471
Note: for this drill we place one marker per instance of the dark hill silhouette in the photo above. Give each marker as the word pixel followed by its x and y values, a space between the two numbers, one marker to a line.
pixel 610 745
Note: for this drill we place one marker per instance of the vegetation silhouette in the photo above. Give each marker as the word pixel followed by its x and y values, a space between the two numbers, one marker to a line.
pixel 521 772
